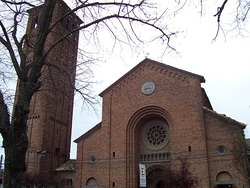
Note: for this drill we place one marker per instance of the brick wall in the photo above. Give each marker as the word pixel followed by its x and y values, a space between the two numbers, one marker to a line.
pixel 195 131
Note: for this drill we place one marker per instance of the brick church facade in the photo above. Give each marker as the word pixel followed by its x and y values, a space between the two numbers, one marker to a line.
pixel 154 115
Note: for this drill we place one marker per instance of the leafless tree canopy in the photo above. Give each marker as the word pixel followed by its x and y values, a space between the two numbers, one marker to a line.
pixel 106 23
pixel 231 17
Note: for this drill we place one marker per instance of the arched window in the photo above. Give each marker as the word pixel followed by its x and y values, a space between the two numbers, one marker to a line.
pixel 224 179
pixel 91 183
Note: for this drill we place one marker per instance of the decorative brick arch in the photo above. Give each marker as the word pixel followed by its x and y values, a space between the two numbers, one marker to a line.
pixel 134 123
pixel 154 167
pixel 153 175
pixel 224 176
pixel 224 179
pixel 91 183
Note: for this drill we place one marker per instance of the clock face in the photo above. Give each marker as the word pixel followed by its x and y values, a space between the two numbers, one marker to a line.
pixel 148 88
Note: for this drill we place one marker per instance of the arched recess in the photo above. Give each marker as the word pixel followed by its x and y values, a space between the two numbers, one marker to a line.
pixel 154 176
pixel 91 183
pixel 224 176
pixel 224 180
pixel 133 127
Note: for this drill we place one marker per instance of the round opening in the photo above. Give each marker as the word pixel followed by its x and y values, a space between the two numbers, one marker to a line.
pixel 221 150
pixel 155 134
pixel 92 159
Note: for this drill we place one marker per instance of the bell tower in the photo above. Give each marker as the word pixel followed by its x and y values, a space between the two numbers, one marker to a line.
pixel 50 120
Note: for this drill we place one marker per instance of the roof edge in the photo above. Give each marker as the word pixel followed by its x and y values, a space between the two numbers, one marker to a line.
pixel 225 118
pixel 199 77
pixel 89 132
pixel 69 166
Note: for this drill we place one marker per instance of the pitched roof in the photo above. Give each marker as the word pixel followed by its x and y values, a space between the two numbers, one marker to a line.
pixel 225 118
pixel 156 63
pixel 69 166
pixel 88 133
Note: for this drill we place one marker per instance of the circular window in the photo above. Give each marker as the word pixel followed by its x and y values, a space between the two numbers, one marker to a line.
pixel 221 150
pixel 155 134
pixel 92 159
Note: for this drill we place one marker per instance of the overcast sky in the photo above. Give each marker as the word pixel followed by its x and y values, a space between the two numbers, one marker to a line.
pixel 225 66
pixel 224 63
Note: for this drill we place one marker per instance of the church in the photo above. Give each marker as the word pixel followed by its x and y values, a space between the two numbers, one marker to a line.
pixel 152 116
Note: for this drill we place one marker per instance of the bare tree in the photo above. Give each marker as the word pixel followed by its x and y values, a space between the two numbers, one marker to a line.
pixel 119 18
pixel 235 11
pixel 179 178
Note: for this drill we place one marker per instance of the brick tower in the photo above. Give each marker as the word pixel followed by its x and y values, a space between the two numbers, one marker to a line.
pixel 50 120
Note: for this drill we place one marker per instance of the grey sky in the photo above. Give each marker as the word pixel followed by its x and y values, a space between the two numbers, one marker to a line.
pixel 225 66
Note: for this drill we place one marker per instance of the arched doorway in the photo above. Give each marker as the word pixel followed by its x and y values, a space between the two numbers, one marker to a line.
pixel 155 178
pixel 148 141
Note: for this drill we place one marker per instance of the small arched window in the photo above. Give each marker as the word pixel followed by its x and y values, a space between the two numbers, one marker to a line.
pixel 91 182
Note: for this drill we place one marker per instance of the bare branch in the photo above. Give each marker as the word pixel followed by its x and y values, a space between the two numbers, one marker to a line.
pixel 18 3
pixel 100 20
pixel 220 10
pixel 7 43
pixel 95 4
pixel 35 72
pixel 218 14
pixel 18 44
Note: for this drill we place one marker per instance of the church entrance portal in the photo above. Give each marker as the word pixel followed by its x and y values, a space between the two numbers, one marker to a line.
pixel 154 179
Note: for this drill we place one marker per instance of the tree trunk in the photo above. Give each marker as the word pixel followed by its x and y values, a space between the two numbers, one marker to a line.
pixel 16 145
pixel 15 140
pixel 14 134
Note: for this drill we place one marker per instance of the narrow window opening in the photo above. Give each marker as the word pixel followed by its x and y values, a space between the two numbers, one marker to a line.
pixel 113 184
pixel 189 148
pixel 113 154
pixel 69 182
pixel 35 22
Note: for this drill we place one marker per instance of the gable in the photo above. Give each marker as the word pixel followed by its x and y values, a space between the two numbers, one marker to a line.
pixel 159 68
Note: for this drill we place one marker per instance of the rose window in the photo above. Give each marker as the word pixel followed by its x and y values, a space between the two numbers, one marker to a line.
pixel 155 134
